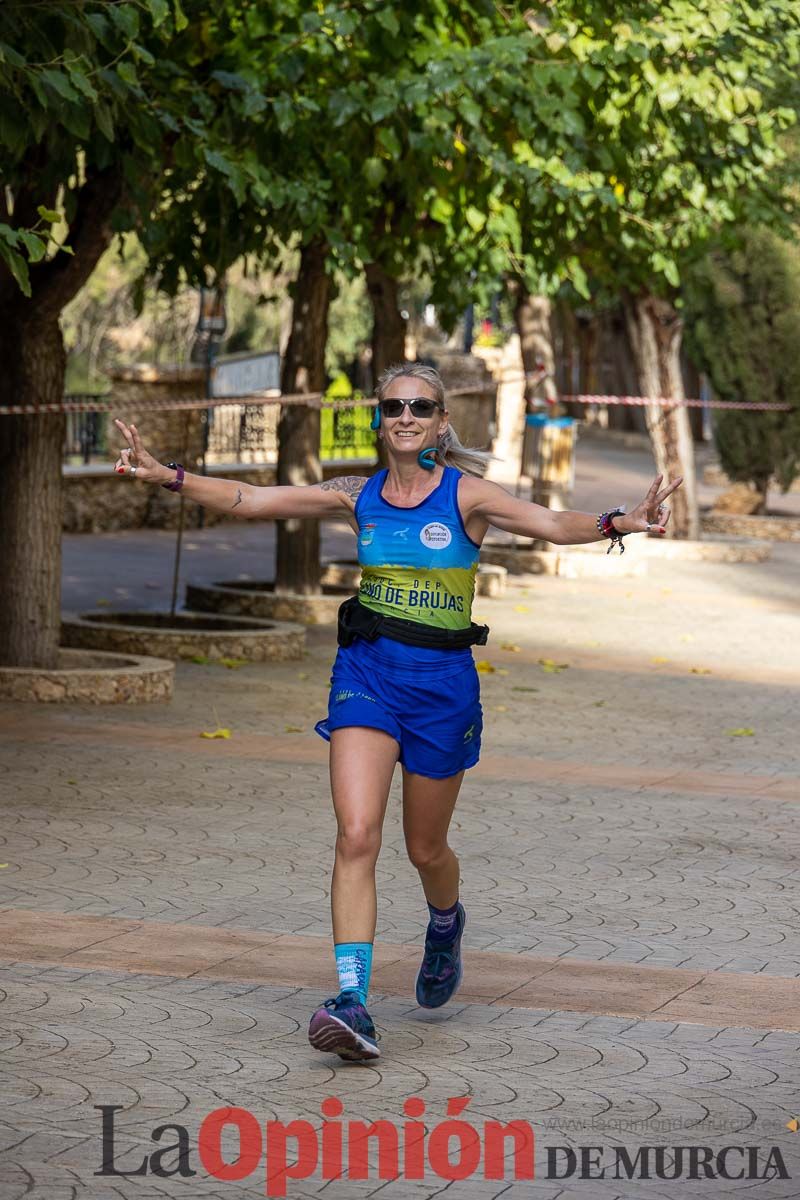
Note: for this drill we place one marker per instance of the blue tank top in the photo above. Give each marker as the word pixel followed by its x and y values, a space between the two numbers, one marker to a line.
pixel 417 563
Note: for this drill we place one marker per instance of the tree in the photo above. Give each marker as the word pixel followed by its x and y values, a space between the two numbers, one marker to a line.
pixel 742 311
pixel 127 111
pixel 658 128
pixel 692 119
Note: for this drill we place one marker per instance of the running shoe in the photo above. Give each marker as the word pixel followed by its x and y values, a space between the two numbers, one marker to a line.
pixel 441 971
pixel 344 1027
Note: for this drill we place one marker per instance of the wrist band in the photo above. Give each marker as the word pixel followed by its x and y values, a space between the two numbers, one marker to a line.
pixel 177 482
pixel 605 526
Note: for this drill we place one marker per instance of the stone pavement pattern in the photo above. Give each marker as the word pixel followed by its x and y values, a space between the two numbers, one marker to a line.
pixel 613 827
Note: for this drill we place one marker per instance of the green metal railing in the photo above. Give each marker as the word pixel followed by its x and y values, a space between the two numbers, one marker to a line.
pixel 345 433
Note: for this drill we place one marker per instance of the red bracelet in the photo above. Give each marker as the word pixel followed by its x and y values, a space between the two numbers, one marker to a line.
pixel 605 525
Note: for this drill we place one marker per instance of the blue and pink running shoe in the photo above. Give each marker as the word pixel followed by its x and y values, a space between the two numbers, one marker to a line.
pixel 344 1027
pixel 440 975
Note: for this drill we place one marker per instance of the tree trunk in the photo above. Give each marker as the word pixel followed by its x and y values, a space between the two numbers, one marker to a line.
pixel 532 318
pixel 31 451
pixel 297 565
pixel 623 380
pixel 655 333
pixel 388 325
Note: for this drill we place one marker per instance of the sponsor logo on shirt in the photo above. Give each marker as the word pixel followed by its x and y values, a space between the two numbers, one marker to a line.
pixel 435 536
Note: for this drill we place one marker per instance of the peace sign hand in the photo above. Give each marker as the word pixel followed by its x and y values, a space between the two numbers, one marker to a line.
pixel 137 462
pixel 652 515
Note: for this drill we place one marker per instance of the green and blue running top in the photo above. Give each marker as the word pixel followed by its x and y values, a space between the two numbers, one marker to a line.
pixel 416 563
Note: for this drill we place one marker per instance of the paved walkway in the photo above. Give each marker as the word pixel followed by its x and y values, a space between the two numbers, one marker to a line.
pixel 629 866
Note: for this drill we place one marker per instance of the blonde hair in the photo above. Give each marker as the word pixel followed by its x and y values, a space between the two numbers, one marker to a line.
pixel 449 449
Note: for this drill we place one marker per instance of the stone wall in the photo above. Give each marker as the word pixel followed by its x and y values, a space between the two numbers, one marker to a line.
pixel 168 434
pixel 98 501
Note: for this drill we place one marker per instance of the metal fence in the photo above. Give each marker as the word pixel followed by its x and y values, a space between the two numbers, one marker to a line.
pixel 86 431
pixel 237 433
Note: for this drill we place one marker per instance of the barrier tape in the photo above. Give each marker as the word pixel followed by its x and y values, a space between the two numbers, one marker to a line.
pixel 665 402
pixel 317 400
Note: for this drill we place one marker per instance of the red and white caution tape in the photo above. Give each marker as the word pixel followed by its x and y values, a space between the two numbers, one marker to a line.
pixel 145 403
pixel 666 402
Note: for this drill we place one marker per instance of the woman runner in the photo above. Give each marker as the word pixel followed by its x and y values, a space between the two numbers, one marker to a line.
pixel 404 686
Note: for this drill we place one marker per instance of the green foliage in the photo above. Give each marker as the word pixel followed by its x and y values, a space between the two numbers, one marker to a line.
pixel 647 129
pixel 586 141
pixel 743 330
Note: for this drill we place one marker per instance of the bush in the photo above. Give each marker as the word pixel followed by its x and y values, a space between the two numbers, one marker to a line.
pixel 742 310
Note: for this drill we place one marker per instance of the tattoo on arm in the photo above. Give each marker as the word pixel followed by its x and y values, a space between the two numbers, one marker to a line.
pixel 238 499
pixel 351 485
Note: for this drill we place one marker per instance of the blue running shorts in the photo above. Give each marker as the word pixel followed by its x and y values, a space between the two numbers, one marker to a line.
pixel 427 700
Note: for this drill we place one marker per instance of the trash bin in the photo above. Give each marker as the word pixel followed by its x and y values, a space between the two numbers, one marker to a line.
pixel 548 458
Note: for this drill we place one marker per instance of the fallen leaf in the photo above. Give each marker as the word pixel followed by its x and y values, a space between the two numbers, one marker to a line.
pixel 793 1125
pixel 302 674
pixel 293 729
pixel 521 608
pixel 744 732
pixel 658 661
pixel 102 603
pixel 524 689
pixel 500 708
pixel 700 670
pixel 218 733
pixel 202 660
pixel 551 667
pixel 502 671
pixel 74 782
pixel 232 664
pixel 599 703
pixel 510 647
pixel 484 666
pixel 3 865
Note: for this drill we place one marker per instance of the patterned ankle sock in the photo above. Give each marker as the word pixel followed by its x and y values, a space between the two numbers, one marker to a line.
pixel 354 967
pixel 443 923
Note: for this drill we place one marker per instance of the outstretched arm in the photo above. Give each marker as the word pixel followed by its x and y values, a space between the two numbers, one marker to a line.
pixel 335 496
pixel 488 502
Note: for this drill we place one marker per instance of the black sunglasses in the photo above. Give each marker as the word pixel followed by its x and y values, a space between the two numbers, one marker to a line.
pixel 420 406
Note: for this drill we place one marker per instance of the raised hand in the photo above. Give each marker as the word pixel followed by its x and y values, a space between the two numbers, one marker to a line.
pixel 652 515
pixel 137 462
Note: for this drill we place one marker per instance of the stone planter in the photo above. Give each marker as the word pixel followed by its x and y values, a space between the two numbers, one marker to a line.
pixel 712 549
pixel 186 635
pixel 772 528
pixel 86 677
pixel 570 562
pixel 253 598
pixel 346 573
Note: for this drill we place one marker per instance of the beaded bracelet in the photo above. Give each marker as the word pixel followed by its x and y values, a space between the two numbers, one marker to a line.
pixel 605 526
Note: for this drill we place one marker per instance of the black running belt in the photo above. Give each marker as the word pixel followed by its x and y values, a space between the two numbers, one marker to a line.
pixel 355 620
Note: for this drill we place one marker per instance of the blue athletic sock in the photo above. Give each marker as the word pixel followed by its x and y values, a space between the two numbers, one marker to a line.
pixel 443 923
pixel 354 967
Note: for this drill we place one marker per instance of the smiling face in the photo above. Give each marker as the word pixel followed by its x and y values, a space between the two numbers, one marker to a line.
pixel 407 434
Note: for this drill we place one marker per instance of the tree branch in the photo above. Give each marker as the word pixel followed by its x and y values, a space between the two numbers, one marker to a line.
pixel 55 282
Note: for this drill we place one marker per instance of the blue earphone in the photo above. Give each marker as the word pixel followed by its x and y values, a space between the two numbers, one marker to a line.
pixel 425 458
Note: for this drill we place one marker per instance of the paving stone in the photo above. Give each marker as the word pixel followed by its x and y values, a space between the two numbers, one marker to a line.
pixel 668 847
